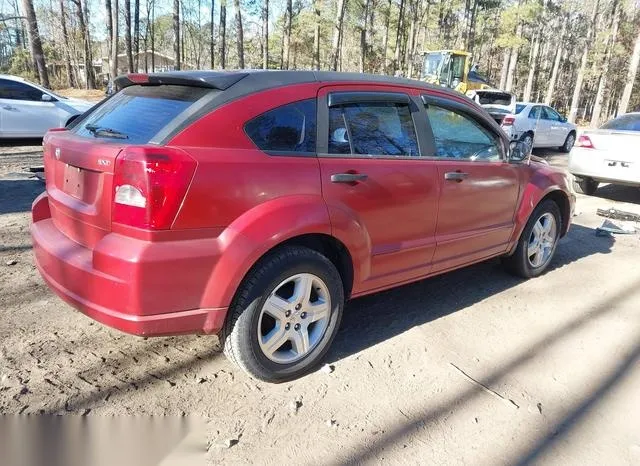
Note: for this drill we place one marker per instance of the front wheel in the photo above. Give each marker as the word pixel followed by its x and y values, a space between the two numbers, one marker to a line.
pixel 537 243
pixel 285 315
pixel 568 143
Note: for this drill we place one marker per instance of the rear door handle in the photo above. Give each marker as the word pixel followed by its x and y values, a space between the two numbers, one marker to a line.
pixel 8 107
pixel 456 176
pixel 348 177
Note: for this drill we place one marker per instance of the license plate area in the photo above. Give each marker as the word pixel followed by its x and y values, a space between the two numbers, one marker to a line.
pixel 73 181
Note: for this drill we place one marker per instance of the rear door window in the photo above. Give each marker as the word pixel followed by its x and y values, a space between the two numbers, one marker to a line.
pixel 377 129
pixel 550 114
pixel 535 113
pixel 137 113
pixel 290 128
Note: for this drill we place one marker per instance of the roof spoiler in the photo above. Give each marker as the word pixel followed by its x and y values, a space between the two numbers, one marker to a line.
pixel 213 80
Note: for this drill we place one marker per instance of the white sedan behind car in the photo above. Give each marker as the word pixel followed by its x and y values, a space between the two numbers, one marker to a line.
pixel 610 154
pixel 539 125
pixel 29 111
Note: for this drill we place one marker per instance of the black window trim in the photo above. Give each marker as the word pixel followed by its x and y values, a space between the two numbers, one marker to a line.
pixel 478 116
pixel 285 153
pixel 32 88
pixel 425 146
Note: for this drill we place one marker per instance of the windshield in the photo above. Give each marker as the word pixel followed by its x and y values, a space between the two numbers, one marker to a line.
pixel 431 63
pixel 137 113
pixel 628 122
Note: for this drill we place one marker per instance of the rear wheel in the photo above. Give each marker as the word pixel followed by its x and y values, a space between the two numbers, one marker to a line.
pixel 537 243
pixel 586 186
pixel 285 315
pixel 527 140
pixel 568 143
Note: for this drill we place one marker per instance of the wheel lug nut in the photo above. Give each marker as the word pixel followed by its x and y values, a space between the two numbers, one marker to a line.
pixel 303 315
pixel 298 306
pixel 287 326
pixel 296 327
pixel 287 313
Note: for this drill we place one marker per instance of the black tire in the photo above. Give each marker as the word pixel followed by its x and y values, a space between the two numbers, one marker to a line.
pixel 518 263
pixel 240 333
pixel 586 186
pixel 568 143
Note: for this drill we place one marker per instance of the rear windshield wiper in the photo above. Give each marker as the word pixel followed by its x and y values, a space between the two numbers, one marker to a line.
pixel 99 131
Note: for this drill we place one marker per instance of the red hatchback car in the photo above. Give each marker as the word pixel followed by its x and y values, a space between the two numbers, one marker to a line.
pixel 253 204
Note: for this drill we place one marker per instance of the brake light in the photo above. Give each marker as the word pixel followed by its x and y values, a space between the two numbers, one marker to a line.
pixel 138 78
pixel 508 120
pixel 585 142
pixel 149 186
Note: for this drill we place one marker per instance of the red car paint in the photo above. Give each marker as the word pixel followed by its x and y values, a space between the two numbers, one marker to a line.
pixel 403 224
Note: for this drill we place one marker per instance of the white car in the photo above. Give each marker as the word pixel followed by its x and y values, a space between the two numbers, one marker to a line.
pixel 29 111
pixel 610 154
pixel 498 103
pixel 539 125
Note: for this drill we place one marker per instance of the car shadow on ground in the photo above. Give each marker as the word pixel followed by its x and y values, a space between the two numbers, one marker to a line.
pixel 21 142
pixel 619 193
pixel 17 195
pixel 373 319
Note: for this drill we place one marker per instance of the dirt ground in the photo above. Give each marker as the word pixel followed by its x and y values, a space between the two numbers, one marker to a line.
pixel 561 354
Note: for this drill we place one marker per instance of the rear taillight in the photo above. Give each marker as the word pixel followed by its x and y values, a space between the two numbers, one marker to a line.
pixel 508 121
pixel 149 186
pixel 584 142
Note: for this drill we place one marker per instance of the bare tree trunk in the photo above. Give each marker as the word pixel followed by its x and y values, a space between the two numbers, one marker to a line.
pixel 412 40
pixel 316 36
pixel 34 42
pixel 113 61
pixel 265 32
pixel 337 34
pixel 136 34
pixel 108 10
pixel 472 27
pixel 127 34
pixel 287 35
pixel 556 66
pixel 153 36
pixel 212 44
pixel 505 67
pixel 385 40
pixel 88 61
pixel 513 62
pixel 532 66
pixel 575 99
pixel 396 63
pixel 65 37
pixel 363 36
pixel 239 34
pixel 611 43
pixel 223 34
pixel 176 33
pixel 631 77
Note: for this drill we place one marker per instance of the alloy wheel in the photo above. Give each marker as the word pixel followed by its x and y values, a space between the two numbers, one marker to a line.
pixel 294 318
pixel 542 240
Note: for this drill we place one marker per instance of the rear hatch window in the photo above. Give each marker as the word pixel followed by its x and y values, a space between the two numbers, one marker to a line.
pixel 137 113
pixel 494 98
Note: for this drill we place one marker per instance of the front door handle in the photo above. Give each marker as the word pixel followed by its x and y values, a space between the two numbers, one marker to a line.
pixel 456 176
pixel 348 177
pixel 8 107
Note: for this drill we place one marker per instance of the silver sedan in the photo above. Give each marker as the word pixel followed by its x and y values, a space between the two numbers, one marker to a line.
pixel 539 125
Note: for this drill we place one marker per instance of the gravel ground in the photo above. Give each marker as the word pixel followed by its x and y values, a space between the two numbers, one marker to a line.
pixel 560 355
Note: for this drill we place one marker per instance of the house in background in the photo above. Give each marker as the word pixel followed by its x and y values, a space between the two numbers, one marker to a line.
pixel 148 62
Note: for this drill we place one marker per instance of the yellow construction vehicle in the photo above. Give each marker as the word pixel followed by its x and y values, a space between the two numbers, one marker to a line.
pixel 452 69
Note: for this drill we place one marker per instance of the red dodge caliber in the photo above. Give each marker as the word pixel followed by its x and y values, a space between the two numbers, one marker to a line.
pixel 253 204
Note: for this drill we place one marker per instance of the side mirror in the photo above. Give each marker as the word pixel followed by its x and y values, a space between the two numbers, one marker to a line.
pixel 518 151
pixel 47 98
pixel 563 119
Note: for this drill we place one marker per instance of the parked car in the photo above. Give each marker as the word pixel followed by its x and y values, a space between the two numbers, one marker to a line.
pixel 539 125
pixel 497 103
pixel 253 204
pixel 28 110
pixel 607 155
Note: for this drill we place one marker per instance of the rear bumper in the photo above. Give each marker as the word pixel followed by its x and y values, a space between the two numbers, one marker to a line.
pixel 137 287
pixel 588 163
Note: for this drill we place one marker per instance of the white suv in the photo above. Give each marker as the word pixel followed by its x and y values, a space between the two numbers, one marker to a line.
pixel 539 125
pixel 29 111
